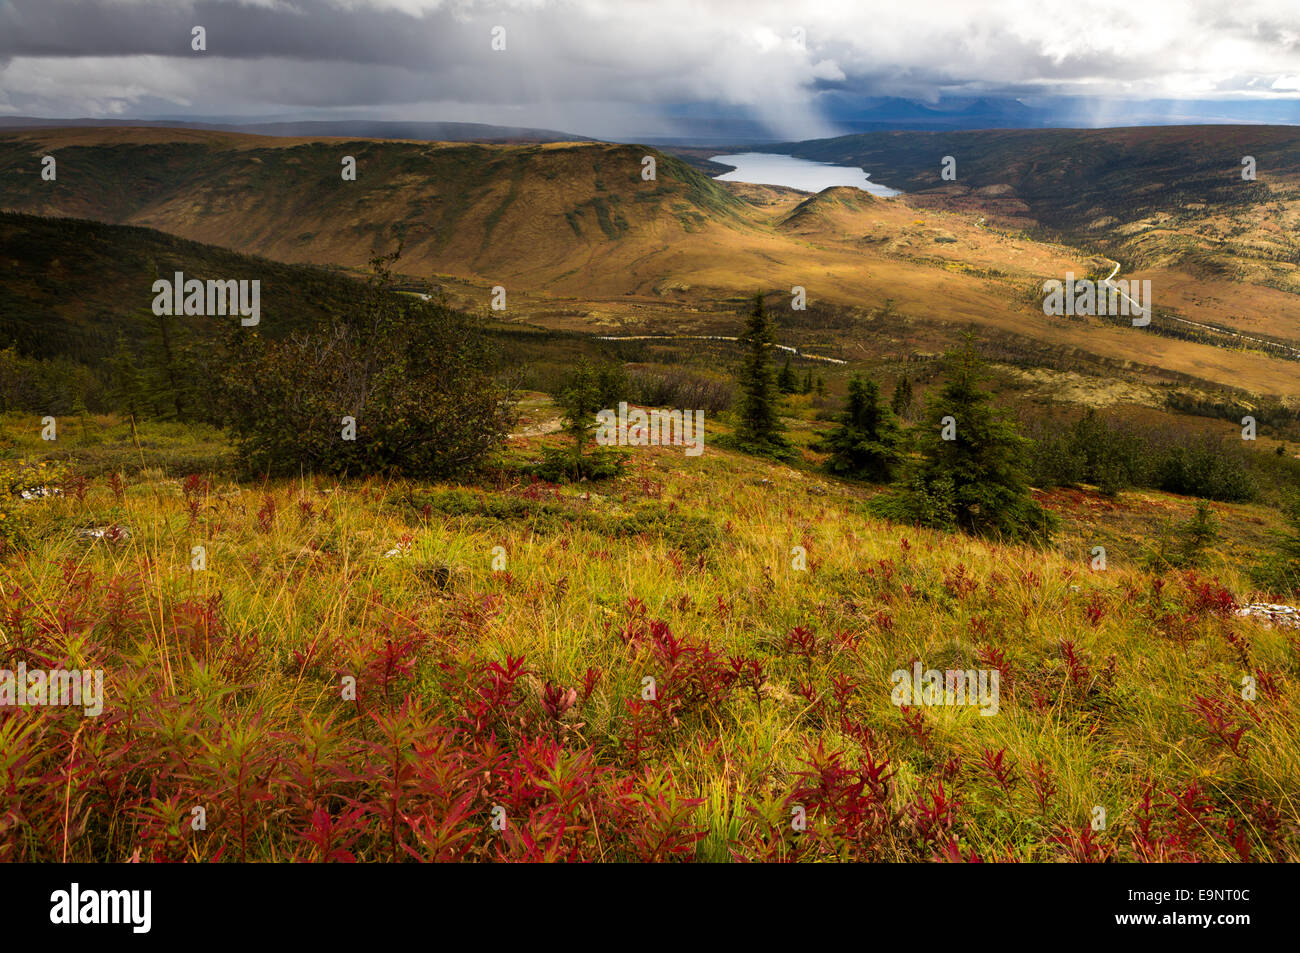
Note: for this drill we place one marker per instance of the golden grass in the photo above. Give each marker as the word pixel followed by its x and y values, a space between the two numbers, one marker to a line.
pixel 876 596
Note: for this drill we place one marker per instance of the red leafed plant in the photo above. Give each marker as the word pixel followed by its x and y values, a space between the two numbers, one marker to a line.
pixel 933 815
pixel 1000 771
pixel 556 700
pixel 850 806
pixel 1082 846
pixel 1219 720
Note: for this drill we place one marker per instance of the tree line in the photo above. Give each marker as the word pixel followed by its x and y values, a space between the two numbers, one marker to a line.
pixel 963 466
pixel 966 465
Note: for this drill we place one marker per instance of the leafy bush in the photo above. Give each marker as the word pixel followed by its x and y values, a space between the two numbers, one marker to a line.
pixel 412 375
pixel 1206 468
pixel 1186 545
pixel 922 502
pixel 676 387
pixel 55 386
pixel 22 483
pixel 692 535
pixel 561 466
pixel 1091 450
pixel 1114 455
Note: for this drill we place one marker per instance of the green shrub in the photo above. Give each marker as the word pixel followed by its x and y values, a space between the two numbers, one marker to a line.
pixel 1091 450
pixel 17 476
pixel 559 465
pixel 1208 469
pixel 692 535
pixel 412 375
pixel 675 387
pixel 922 502
pixel 1279 570
pixel 1115 456
pixel 1185 545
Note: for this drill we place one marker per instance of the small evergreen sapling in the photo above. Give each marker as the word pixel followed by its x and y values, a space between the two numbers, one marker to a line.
pixel 866 442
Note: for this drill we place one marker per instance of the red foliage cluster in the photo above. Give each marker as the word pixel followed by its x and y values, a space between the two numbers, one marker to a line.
pixel 163 777
pixel 397 742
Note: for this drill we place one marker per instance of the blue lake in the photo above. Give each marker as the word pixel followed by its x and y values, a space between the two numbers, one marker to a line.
pixel 762 168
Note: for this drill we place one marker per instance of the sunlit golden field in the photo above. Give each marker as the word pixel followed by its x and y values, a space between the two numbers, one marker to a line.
pixel 501 635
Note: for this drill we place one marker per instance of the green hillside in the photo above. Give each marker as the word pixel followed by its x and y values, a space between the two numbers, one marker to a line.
pixel 460 207
pixel 68 286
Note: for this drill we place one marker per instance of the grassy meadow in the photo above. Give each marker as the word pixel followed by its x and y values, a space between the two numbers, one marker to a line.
pixel 691 661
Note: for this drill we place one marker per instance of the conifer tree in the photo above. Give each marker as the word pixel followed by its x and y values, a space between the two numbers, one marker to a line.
pixel 581 401
pixel 902 400
pixel 786 381
pixel 127 387
pixel 758 428
pixel 866 442
pixel 165 382
pixel 970 472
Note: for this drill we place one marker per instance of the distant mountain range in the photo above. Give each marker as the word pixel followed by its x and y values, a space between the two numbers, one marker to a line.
pixel 343 128
pixel 848 115
pixel 696 129
pixel 709 125
pixel 893 113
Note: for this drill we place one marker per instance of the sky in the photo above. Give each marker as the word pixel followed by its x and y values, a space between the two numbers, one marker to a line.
pixel 630 68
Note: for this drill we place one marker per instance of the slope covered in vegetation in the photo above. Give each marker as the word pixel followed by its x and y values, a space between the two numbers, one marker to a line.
pixel 643 669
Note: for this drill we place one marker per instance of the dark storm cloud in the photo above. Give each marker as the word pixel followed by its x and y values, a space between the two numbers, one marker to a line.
pixel 575 59
pixel 301 30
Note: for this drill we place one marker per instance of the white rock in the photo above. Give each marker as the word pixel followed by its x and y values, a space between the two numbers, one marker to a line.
pixel 39 492
pixel 1288 617
pixel 99 532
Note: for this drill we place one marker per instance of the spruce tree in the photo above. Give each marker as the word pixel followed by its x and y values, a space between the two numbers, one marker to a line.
pixel 1198 534
pixel 758 428
pixel 902 400
pixel 976 480
pixel 611 383
pixel 581 401
pixel 164 386
pixel 178 376
pixel 127 387
pixel 807 385
pixel 866 442
pixel 786 381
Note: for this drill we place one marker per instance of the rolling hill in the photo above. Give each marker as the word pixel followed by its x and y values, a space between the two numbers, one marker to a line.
pixel 536 211
pixel 582 242
pixel 1073 180
pixel 69 286
pixel 1170 203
